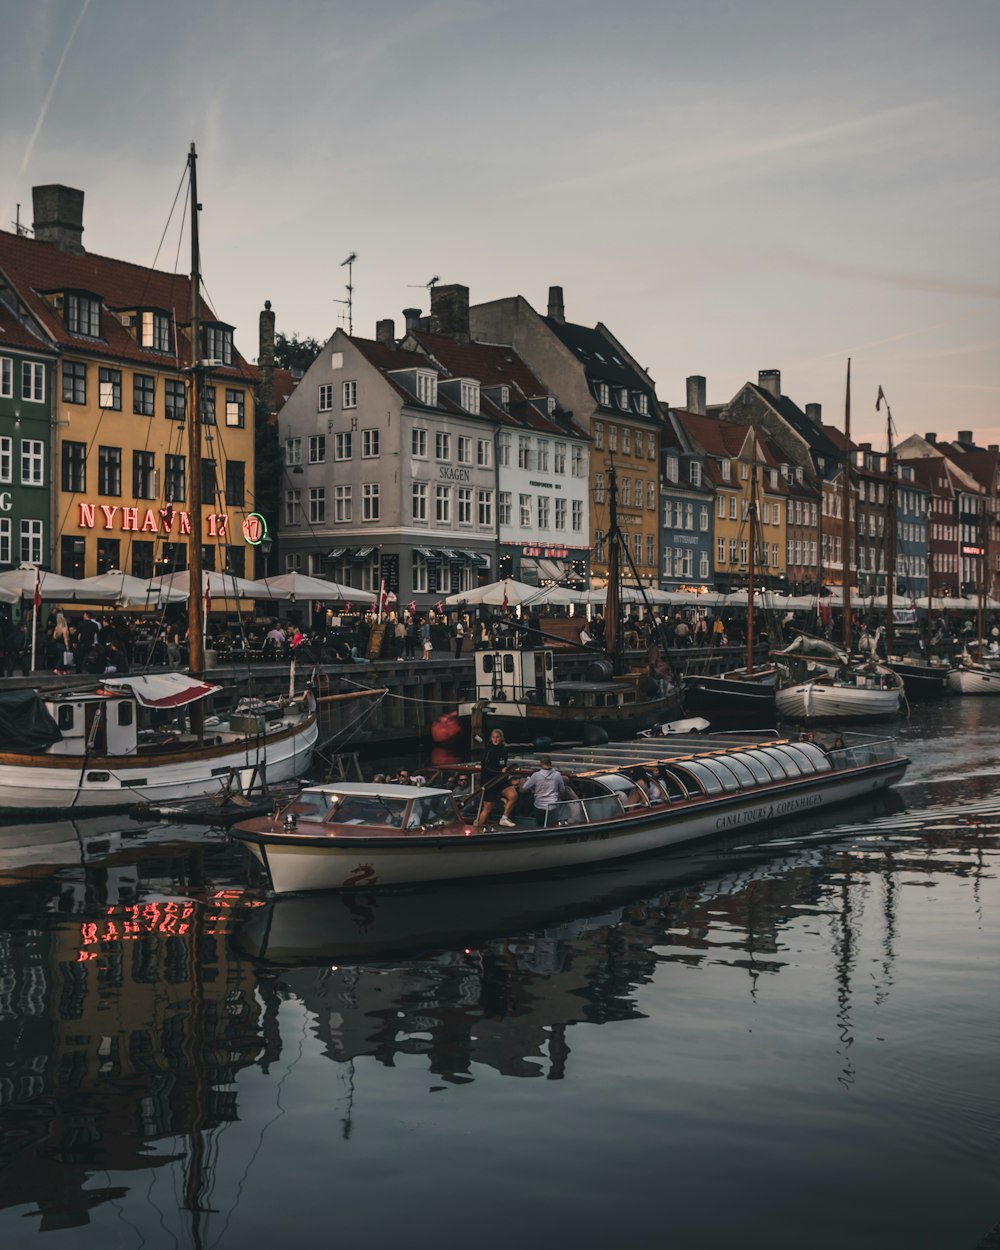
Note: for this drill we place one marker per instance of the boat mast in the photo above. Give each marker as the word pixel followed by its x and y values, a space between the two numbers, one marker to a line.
pixel 752 512
pixel 846 526
pixel 614 640
pixel 981 565
pixel 891 526
pixel 196 626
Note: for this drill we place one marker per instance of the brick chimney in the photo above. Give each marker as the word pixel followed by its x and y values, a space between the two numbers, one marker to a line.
pixel 59 217
pixel 931 438
pixel 556 310
pixel 385 333
pixel 412 318
pixel 450 311
pixel 965 438
pixel 815 414
pixel 265 357
pixel 696 394
pixel 770 380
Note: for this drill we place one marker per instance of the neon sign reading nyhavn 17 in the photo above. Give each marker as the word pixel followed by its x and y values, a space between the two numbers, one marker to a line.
pixel 147 520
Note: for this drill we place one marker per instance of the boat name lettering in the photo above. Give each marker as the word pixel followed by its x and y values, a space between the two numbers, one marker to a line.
pixel 730 820
pixel 147 520
pixel 454 475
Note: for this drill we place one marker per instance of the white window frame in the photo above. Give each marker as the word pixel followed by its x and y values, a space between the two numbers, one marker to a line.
pixel 349 394
pixel 6 386
pixel 464 505
pixel 503 507
pixel 317 448
pixel 32 533
pixel 427 384
pixel 5 540
pixel 503 450
pixel 442 504
pixel 369 444
pixel 484 501
pixel 317 505
pixel 32 382
pixel 442 445
pixel 324 397
pixel 6 461
pixel 543 509
pixel 342 445
pixel 559 514
pixel 32 462
pixel 293 451
pixel 559 459
pixel 418 443
pixel 576 461
pixel 524 511
pixel 418 501
pixel 371 501
pixel 293 507
pixel 343 505
pixel 578 515
pixel 484 453
pixel 464 448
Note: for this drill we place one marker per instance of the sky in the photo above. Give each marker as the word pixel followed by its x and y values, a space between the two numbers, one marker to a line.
pixel 729 185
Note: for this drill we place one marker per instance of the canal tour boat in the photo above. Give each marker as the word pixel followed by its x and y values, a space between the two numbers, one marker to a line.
pixel 618 800
pixel 130 740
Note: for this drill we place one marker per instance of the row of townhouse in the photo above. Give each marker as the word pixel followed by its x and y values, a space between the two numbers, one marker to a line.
pixel 95 374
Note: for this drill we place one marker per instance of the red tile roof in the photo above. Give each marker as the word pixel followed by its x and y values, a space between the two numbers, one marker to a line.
pixel 14 334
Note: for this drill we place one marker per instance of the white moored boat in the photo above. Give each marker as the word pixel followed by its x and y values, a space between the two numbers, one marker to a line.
pixel 869 692
pixel 619 801
pixel 970 678
pixel 127 741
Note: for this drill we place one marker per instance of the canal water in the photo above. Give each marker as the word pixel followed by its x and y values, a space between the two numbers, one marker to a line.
pixel 781 1043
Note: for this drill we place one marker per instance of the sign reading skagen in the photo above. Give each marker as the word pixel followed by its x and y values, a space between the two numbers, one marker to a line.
pixel 768 811
pixel 454 475
pixel 154 520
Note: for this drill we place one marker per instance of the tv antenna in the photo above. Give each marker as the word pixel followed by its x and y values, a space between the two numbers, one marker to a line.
pixel 350 291
pixel 424 286
pixel 22 232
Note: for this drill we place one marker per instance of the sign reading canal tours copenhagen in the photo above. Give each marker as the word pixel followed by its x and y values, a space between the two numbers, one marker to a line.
pixel 147 520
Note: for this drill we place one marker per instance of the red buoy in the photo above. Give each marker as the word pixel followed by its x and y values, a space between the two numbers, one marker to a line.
pixel 446 728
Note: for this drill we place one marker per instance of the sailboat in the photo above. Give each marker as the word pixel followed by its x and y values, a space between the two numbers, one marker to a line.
pixel 743 694
pixel 517 691
pixel 853 690
pixel 973 676
pixel 147 737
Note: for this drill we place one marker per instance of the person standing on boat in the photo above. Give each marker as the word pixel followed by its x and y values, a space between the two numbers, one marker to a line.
pixel 545 786
pixel 496 784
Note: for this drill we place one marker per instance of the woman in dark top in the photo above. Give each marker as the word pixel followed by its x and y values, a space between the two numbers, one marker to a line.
pixel 496 788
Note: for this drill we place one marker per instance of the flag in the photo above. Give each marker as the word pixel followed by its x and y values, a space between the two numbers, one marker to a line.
pixel 881 398
pixel 439 607
pixel 348 608
pixel 37 600
pixel 413 605
pixel 382 598
pixel 208 595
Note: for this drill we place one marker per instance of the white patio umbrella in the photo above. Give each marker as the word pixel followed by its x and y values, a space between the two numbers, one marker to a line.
pixel 556 596
pixel 516 593
pixel 222 585
pixel 632 595
pixel 128 591
pixel 54 589
pixel 300 586
pixel 8 596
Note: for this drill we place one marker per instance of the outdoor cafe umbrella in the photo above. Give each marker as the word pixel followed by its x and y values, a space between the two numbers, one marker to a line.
pixel 53 588
pixel 301 586
pixel 496 594
pixel 128 591
pixel 220 585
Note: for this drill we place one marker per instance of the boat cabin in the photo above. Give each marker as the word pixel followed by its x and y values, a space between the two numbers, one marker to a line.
pixel 95 724
pixel 515 676
pixel 381 806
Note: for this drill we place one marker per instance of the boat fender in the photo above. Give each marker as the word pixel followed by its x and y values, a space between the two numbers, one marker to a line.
pixel 594 736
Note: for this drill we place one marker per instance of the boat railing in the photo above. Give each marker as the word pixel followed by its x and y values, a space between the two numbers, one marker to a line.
pixel 585 811
pixel 858 755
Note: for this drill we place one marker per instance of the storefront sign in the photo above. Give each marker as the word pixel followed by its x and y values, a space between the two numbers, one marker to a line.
pixel 552 553
pixel 255 529
pixel 454 475
pixel 147 520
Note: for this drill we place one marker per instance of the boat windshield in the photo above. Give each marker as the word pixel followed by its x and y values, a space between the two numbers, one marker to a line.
pixel 309 805
pixel 369 809
pixel 431 809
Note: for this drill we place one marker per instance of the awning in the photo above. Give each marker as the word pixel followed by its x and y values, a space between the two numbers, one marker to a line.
pixel 426 553
pixel 362 553
pixel 479 558
pixel 552 570
pixel 337 553
pixel 448 554
pixel 163 690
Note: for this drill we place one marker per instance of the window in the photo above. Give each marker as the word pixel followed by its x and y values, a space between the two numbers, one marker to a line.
pixel 442 504
pixel 142 559
pixel 442 445
pixel 207 398
pixel 154 331
pixel 418 444
pixel 651 497
pixel 576 457
pixel 464 449
pixel 109 388
pixel 174 475
pixel 650 551
pixel 72 556
pixel 6 463
pixel 418 506
pixel 720 551
pixel 603 394
pixel 543 455
pixel 774 555
pixel 543 512
pixel 703 518
pixel 503 507
pixel 235 483
pixel 525 510
pixel 732 551
pixel 642 406
pixel 32 462
pixel 341 446
pixel 108 554
pixel 370 501
pixel 208 481
pixel 559 459
pixel 485 503
pixel 218 343
pixel 293 503
pixel 33 382
pixel 484 453
pixel 418 570
pixel 524 457
pixel 293 451
pixel 776 514
pixel 74 382
pixel 427 389
pixel 560 514
pixel 236 561
pixel 598 436
pixel 637 548
pixel 726 470
pixel 293 561
pixel 612 438
pixel 175 399
pixel 503 450
pixel 317 448
pixel 626 441
pixel 599 547
pixel 464 505
pixel 732 507
pixel 598 488
pixel 626 492
pixel 143 394
pixel 694 473
pixel 325 400
pixel 83 315
pixel 470 396
pixel 639 444
pixel 31 542
pixel 577 515
pixel 349 395
pixel 6 392
pixel 369 444
pixel 703 566
pixel 317 505
pixel 74 466
pixel 651 447
pixel 235 415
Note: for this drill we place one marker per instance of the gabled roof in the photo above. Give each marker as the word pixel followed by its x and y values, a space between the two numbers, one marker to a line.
pixel 601 359
pixel 32 268
pixel 389 360
pixel 725 440
pixel 15 335
pixel 817 437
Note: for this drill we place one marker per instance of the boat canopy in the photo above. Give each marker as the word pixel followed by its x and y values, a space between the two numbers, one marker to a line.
pixel 25 723
pixel 163 690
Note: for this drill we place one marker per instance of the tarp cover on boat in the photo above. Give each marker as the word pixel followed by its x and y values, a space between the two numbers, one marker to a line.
pixel 163 690
pixel 25 724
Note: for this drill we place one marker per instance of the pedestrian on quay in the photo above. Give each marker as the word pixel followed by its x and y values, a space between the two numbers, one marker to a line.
pixel 459 635
pixel 410 640
pixel 426 645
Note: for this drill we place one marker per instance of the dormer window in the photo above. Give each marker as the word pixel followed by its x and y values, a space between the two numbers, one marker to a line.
pixel 218 342
pixel 505 398
pixel 154 331
pixel 623 403
pixel 604 394
pixel 470 396
pixel 642 403
pixel 798 473
pixel 695 472
pixel 83 314
pixel 672 464
pixel 726 469
pixel 427 389
pixel 550 404
pixel 773 474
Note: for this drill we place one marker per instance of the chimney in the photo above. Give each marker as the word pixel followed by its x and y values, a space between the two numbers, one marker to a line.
pixel 556 310
pixel 815 414
pixel 992 447
pixel 965 438
pixel 931 438
pixel 412 316
pixel 59 217
pixel 696 394
pixel 450 311
pixel 385 333
pixel 770 380
pixel 265 357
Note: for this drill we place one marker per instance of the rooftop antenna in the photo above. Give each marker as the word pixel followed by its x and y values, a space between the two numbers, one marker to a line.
pixel 22 232
pixel 350 291
pixel 424 286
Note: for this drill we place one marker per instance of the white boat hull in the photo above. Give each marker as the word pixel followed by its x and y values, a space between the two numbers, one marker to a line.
pixel 821 701
pixel 341 862
pixel 39 784
pixel 973 681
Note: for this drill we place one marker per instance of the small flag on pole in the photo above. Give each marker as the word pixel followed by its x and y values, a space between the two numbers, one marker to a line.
pixel 37 599
pixel 208 595
pixel 880 400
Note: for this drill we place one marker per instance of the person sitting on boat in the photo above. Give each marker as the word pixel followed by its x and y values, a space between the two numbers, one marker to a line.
pixel 402 778
pixel 586 637
pixel 545 786
pixel 496 784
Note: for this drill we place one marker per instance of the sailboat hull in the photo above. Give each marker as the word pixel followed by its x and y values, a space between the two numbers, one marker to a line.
pixel 731 697
pixel 814 701
pixel 973 681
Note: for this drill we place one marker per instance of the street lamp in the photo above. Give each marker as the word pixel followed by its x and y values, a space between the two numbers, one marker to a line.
pixel 266 543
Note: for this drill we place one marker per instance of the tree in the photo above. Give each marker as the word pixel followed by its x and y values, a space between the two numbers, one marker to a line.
pixel 295 353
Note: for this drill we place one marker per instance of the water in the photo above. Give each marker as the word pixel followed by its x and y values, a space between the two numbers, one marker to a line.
pixel 781 1045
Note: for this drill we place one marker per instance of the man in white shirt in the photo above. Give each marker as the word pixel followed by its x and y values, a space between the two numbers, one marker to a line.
pixel 544 786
